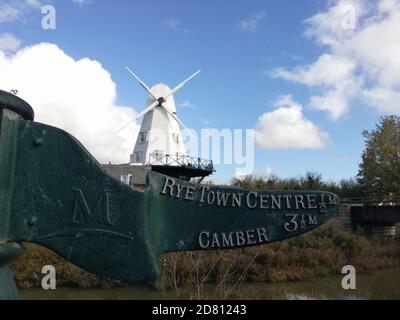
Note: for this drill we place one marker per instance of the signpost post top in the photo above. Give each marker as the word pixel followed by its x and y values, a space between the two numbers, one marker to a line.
pixel 12 102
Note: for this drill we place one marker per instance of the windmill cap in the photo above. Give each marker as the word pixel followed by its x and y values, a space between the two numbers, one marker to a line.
pixel 12 102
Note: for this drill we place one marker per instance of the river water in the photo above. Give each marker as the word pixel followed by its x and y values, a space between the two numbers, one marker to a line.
pixel 383 284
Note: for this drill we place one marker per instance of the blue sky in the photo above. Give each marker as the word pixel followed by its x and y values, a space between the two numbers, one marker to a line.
pixel 238 45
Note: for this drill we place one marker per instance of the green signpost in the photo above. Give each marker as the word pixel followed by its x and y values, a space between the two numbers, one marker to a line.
pixel 55 194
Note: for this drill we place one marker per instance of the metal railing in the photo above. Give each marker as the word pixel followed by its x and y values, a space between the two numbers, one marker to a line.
pixel 373 201
pixel 180 160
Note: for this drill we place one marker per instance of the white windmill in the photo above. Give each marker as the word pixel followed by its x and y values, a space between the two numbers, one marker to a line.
pixel 159 142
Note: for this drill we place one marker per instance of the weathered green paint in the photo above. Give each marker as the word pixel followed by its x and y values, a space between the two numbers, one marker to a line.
pixel 54 193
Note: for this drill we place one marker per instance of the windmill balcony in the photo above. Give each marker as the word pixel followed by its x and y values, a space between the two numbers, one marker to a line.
pixel 181 160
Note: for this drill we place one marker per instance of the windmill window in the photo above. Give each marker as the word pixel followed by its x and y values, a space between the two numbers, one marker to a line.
pixel 128 179
pixel 175 137
pixel 138 156
pixel 142 137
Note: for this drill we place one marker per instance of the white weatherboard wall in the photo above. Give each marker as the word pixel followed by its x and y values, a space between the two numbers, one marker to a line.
pixel 159 132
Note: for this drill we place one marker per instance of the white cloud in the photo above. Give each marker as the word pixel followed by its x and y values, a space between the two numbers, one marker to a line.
pixel 335 102
pixel 251 24
pixel 186 104
pixel 8 42
pixel 327 71
pixel 241 174
pixel 34 4
pixel 8 12
pixel 385 99
pixel 269 171
pixel 78 96
pixel 206 122
pixel 286 127
pixel 16 10
pixel 82 2
pixel 11 11
pixel 176 26
pixel 339 22
pixel 359 63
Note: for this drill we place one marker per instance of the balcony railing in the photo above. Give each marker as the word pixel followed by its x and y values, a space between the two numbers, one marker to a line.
pixel 372 201
pixel 181 160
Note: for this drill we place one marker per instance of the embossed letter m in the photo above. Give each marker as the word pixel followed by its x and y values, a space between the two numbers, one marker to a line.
pixel 81 205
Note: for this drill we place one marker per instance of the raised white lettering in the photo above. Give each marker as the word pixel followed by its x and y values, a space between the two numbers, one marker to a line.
pixel 169 183
pixel 251 193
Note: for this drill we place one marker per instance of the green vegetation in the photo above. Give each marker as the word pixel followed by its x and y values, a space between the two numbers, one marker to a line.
pixel 27 270
pixel 380 168
pixel 311 181
pixel 319 253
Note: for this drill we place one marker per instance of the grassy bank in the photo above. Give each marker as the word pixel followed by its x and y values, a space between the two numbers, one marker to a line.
pixel 319 253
